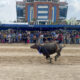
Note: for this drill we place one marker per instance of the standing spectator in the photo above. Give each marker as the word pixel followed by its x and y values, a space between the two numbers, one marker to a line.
pixel 28 38
pixel 25 37
pixel 13 37
pixel 0 37
pixel 41 38
pixel 34 38
pixel 60 38
pixel 31 38
pixel 19 37
pixel 45 37
pixel 72 38
pixel 77 38
pixel 9 38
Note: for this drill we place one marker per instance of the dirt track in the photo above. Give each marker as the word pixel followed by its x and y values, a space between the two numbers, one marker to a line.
pixel 19 62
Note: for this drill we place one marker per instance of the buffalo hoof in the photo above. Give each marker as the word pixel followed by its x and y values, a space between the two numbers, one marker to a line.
pixel 50 60
pixel 55 59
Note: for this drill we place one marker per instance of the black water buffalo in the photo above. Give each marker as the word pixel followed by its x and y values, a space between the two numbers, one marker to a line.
pixel 48 49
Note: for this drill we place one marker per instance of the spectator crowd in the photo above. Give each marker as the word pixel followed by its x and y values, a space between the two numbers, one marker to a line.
pixel 62 36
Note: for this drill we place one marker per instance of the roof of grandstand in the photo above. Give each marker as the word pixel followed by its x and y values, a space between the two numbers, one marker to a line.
pixel 38 27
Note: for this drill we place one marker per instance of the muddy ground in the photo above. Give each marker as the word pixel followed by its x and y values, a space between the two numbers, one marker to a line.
pixel 19 62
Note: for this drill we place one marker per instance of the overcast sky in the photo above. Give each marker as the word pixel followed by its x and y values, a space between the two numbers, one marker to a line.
pixel 8 9
pixel 73 9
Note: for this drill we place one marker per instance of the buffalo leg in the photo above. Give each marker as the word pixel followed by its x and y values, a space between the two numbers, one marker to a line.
pixel 49 58
pixel 46 53
pixel 58 54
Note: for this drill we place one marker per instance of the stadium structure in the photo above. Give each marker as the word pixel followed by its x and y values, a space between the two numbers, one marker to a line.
pixel 41 11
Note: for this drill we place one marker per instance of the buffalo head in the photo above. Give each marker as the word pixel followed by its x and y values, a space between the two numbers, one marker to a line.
pixel 35 46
